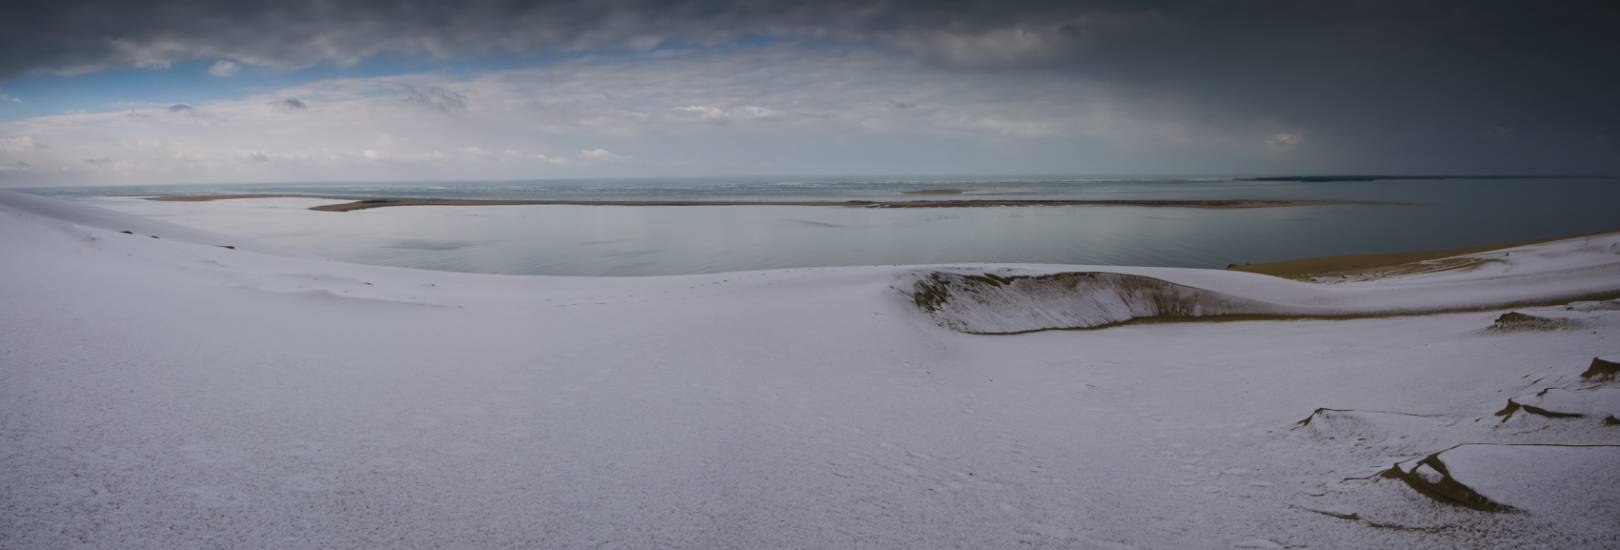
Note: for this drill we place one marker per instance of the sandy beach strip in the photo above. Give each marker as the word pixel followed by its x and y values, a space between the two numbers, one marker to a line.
pixel 364 203
pixel 1385 264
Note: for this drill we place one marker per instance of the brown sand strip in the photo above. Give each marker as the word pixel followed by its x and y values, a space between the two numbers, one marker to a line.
pixel 1387 263
pixel 363 203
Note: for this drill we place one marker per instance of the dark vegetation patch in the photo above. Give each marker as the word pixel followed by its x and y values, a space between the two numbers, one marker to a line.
pixel 1602 370
pixel 1514 321
pixel 1447 489
pixel 931 293
pixel 1514 407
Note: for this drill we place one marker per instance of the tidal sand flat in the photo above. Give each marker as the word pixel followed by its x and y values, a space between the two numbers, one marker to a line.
pixel 297 402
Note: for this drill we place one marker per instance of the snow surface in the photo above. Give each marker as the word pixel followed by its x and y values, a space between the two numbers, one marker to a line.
pixel 164 393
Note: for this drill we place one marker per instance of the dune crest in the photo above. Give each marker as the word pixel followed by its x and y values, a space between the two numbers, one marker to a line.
pixel 980 299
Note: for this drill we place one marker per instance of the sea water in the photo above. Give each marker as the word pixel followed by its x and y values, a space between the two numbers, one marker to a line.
pixel 654 240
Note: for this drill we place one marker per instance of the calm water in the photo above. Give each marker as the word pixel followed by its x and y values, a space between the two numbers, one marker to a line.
pixel 595 240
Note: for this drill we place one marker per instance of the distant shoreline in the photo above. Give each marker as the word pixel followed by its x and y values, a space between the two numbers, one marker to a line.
pixel 365 203
pixel 1384 177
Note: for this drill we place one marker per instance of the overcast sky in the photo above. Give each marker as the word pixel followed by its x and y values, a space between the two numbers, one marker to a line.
pixel 134 92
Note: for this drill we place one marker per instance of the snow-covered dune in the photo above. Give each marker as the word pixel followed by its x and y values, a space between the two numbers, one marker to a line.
pixel 172 392
pixel 1029 298
pixel 66 215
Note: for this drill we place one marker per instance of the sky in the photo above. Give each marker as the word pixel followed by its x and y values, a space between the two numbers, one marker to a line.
pixel 129 92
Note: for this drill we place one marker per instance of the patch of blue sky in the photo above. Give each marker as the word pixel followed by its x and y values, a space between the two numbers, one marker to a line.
pixel 186 82
pixel 190 82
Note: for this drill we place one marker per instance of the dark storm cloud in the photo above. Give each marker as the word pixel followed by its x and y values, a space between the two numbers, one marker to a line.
pixel 1134 37
pixel 1436 85
pixel 1422 84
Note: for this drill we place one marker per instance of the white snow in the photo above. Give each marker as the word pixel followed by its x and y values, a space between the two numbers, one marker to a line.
pixel 163 393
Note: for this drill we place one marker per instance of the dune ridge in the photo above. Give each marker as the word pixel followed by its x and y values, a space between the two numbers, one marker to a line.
pixel 1018 300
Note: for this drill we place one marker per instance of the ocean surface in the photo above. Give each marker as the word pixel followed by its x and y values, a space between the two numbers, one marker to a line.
pixel 656 240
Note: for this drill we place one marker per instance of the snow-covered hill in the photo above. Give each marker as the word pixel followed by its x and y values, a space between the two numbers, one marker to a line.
pixel 175 392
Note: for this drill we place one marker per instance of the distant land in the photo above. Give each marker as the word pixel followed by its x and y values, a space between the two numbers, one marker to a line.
pixel 1309 179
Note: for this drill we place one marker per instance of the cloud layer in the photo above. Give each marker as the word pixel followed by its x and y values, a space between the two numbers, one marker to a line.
pixel 774 109
pixel 745 87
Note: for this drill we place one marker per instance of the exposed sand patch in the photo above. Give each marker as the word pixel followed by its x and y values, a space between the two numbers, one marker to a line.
pixel 1555 459
pixel 986 303
pixel 980 302
pixel 1514 407
pixel 1603 369
pixel 1533 478
pixel 1385 264
pixel 1372 266
pixel 1431 477
pixel 1514 321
